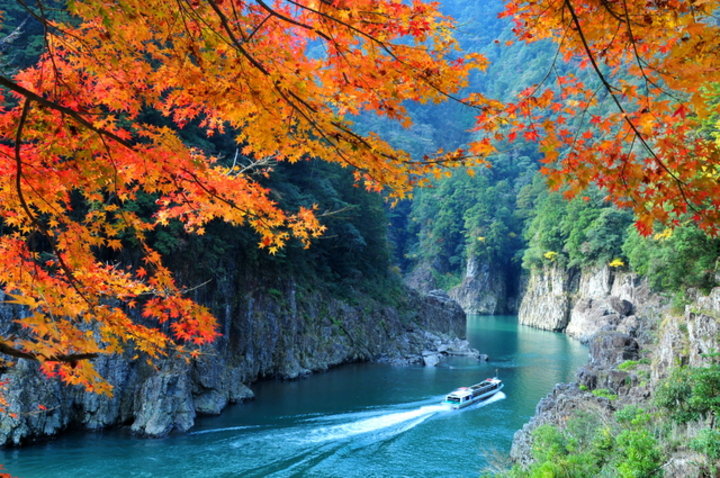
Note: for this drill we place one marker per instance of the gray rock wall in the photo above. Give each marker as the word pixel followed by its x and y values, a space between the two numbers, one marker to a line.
pixel 483 290
pixel 580 303
pixel 266 333
pixel 548 298
pixel 652 332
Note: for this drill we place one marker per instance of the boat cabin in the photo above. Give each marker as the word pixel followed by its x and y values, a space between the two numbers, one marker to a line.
pixel 467 395
pixel 460 395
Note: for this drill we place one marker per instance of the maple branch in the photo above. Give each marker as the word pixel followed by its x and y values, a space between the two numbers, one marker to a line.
pixel 291 20
pixel 69 358
pixel 322 132
pixel 238 44
pixel 11 85
pixel 387 49
pixel 26 207
pixel 284 92
pixel 18 161
pixel 619 105
pixel 639 59
pixel 257 28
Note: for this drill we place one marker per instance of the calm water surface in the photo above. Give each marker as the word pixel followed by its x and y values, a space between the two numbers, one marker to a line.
pixel 362 420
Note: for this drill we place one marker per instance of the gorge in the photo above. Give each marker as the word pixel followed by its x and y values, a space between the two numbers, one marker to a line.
pixel 355 420
pixel 265 229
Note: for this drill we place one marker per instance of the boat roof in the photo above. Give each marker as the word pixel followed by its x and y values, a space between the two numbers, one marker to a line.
pixel 464 391
pixel 460 392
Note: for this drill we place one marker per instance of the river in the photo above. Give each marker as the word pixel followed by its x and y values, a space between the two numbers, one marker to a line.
pixel 358 420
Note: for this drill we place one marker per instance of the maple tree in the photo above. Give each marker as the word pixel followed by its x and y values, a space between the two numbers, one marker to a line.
pixel 285 76
pixel 647 130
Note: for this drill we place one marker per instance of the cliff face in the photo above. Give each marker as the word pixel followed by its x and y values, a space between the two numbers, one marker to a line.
pixel 647 331
pixel 265 333
pixel 579 302
pixel 548 296
pixel 484 290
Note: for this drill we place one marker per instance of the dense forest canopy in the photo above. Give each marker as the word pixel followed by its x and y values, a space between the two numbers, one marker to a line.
pixel 96 156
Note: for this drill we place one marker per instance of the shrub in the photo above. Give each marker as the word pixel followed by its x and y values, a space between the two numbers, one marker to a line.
pixel 707 442
pixel 604 393
pixel 690 393
pixel 641 457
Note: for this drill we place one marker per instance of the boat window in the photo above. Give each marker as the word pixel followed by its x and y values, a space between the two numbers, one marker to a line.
pixel 453 399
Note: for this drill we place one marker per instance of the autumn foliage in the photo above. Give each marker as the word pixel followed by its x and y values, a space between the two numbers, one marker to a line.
pixel 644 124
pixel 287 77
pixel 283 76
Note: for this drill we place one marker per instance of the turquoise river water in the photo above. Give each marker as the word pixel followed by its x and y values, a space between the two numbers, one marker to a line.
pixel 359 420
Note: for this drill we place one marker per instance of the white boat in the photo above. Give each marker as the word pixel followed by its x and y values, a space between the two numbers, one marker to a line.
pixel 464 396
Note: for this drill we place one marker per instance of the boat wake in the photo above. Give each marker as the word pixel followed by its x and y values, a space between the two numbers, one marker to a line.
pixel 318 441
pixel 377 423
pixel 392 423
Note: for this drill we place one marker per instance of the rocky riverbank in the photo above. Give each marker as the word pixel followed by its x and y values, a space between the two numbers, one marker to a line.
pixel 634 342
pixel 266 333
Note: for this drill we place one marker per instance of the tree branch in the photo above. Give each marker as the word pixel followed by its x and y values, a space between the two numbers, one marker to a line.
pixel 619 105
pixel 11 85
pixel 17 353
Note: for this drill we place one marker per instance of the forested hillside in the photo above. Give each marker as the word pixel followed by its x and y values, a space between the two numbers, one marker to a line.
pixel 506 217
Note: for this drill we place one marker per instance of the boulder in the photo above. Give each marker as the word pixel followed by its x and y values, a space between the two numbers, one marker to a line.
pixel 431 359
pixel 167 405
pixel 608 349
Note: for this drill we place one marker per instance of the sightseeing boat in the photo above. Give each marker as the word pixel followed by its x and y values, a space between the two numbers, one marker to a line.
pixel 465 396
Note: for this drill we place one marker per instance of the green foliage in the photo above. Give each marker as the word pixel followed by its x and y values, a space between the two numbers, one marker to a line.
pixel 672 395
pixel 470 216
pixel 707 442
pixel 689 394
pixel 585 231
pixel 604 393
pixel 633 415
pixel 673 262
pixel 560 453
pixel 628 365
pixel 447 281
pixel 640 454
pixel 588 446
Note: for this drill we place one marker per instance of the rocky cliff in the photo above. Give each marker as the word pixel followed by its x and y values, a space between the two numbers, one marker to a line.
pixel 634 342
pixel 486 289
pixel 548 297
pixel 580 302
pixel 284 333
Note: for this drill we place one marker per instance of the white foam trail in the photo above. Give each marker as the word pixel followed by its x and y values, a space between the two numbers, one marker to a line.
pixel 368 425
pixel 374 410
pixel 227 429
pixel 495 398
